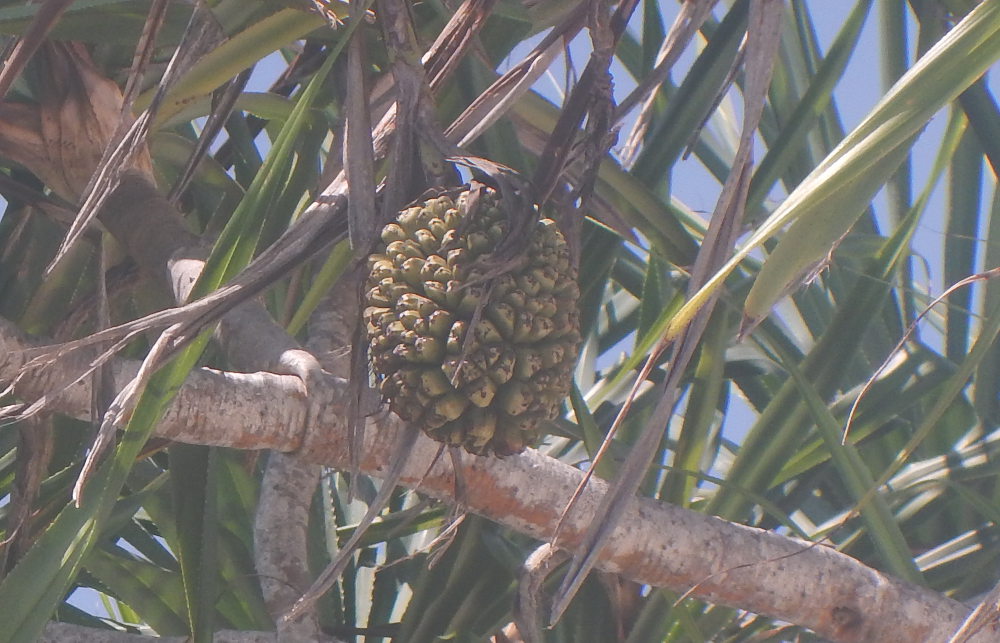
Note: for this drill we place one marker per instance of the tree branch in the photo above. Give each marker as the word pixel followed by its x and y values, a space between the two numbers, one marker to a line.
pixel 655 543
pixel 69 633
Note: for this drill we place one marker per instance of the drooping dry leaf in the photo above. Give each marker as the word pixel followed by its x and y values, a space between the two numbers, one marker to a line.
pixel 62 137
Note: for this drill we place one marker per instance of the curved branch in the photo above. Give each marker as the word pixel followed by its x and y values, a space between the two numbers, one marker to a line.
pixel 655 543
pixel 252 341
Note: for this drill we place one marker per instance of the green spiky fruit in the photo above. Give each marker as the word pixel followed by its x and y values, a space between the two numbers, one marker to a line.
pixel 486 390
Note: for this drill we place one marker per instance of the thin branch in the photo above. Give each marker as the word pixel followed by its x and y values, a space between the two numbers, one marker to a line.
pixel 69 633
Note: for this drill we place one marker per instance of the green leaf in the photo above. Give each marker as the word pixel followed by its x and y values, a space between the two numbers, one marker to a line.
pixel 829 200
pixel 156 594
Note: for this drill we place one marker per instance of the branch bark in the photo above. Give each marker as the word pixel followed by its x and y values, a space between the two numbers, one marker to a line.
pixel 69 633
pixel 655 543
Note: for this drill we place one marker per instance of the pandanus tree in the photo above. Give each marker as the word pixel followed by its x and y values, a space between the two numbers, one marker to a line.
pixel 388 348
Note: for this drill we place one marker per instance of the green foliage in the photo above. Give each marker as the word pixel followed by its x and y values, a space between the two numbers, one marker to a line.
pixel 166 541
